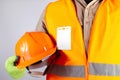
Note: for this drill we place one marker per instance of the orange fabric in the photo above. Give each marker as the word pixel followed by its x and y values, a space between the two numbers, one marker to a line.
pixel 51 76
pixel 57 15
pixel 33 47
pixel 104 44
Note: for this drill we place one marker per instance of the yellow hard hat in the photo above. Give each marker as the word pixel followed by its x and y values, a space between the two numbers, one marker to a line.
pixel 33 47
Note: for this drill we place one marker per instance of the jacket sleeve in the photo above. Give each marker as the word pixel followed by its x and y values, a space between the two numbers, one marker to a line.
pixel 41 24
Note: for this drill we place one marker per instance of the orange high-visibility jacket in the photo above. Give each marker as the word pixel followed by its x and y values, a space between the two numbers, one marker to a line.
pixel 103 49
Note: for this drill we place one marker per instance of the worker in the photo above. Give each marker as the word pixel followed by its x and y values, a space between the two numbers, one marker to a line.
pixel 87 36
pixel 87 33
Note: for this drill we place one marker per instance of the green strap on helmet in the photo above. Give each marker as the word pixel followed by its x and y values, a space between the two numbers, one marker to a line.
pixel 12 70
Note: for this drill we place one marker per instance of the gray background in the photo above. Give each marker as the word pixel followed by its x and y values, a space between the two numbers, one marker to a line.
pixel 17 17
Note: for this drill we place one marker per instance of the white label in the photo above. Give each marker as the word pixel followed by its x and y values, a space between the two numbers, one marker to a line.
pixel 64 38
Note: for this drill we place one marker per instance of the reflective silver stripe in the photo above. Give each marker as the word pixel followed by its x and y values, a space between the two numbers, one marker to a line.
pixel 104 69
pixel 67 71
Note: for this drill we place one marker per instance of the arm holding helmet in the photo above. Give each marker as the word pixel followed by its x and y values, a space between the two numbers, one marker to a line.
pixel 29 44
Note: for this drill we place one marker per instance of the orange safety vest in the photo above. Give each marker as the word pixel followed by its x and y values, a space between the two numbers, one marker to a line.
pixel 71 65
pixel 104 43
pixel 103 49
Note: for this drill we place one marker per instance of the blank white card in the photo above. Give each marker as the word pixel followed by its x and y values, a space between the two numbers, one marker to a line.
pixel 64 38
